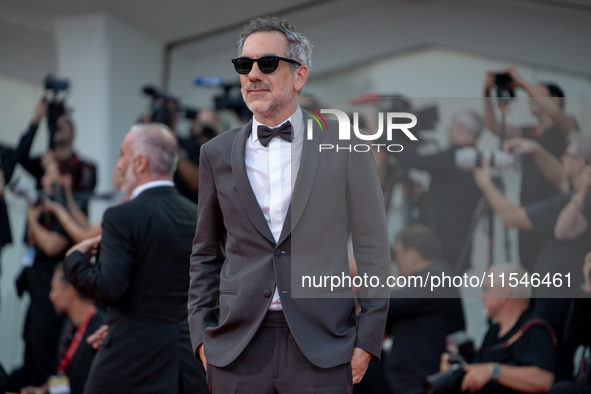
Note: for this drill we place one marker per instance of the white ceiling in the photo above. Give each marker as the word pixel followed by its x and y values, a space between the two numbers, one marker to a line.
pixel 173 20
pixel 167 21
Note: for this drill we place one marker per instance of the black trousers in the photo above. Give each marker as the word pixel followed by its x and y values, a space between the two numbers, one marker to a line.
pixel 272 363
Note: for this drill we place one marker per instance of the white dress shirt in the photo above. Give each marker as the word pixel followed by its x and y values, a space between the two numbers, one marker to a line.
pixel 272 172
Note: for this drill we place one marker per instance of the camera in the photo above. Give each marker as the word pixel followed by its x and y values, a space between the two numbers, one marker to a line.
pixel 56 106
pixel 503 80
pixel 467 158
pixel 504 84
pixel 54 84
pixel 21 188
pixel 231 99
pixel 461 349
pixel 164 107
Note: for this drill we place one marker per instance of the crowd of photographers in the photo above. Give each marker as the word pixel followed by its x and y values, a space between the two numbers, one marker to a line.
pixel 532 338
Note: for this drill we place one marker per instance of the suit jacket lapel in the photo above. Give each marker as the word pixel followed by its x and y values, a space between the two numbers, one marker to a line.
pixel 306 175
pixel 245 193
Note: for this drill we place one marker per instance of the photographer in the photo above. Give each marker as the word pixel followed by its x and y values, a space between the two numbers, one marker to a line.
pixel 419 322
pixel 48 243
pixel 7 164
pixel 83 173
pixel 517 353
pixel 578 329
pixel 551 131
pixel 186 177
pixel 448 206
pixel 76 354
pixel 557 256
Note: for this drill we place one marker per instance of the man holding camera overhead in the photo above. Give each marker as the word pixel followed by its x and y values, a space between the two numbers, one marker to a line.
pixel 551 131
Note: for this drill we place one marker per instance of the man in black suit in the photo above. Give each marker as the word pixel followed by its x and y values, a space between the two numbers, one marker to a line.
pixel 141 275
pixel 270 209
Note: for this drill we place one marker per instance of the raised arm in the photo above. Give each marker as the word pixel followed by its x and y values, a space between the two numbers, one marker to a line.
pixel 511 215
pixel 571 221
pixel 547 162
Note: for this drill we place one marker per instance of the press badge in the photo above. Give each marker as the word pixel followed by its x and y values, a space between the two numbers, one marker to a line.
pixel 59 384
pixel 28 258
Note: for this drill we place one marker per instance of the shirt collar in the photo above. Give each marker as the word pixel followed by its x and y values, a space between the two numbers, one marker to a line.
pixel 297 125
pixel 149 185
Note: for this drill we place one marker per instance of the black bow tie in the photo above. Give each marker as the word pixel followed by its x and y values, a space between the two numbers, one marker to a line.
pixel 265 133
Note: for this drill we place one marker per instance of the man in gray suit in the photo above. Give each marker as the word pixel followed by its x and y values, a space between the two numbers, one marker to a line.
pixel 271 208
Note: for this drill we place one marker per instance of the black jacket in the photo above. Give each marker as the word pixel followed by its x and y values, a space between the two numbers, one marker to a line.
pixel 142 275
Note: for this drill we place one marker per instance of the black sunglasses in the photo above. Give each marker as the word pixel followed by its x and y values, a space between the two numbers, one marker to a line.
pixel 267 64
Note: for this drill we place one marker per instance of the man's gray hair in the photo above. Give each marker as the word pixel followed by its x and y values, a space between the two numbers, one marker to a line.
pixel 156 142
pixel 521 290
pixel 298 46
pixel 471 121
pixel 583 145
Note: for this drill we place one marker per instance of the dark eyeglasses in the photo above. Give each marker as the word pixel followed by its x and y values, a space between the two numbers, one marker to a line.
pixel 267 64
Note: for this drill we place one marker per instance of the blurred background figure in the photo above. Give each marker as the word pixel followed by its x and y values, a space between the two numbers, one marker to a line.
pixel 448 205
pixel 518 351
pixel 7 164
pixel 75 354
pixel 418 321
pixel 546 104
pixel 47 244
pixel 83 173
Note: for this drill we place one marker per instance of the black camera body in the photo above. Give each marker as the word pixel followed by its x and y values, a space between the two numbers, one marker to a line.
pixel 504 84
pixel 462 352
pixel 55 107
pixel 56 85
pixel 163 104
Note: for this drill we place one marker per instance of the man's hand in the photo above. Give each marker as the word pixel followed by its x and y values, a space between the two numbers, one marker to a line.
pixel 51 206
pixel 586 272
pixel 489 82
pixel 359 363
pixel 202 356
pixel 33 390
pixel 477 375
pixel 482 173
pixel 96 339
pixel 444 364
pixel 521 146
pixel 87 247
pixel 518 81
pixel 33 213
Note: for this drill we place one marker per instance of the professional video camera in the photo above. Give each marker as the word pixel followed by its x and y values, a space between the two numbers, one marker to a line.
pixel 164 107
pixel 462 352
pixel 55 103
pixel 231 99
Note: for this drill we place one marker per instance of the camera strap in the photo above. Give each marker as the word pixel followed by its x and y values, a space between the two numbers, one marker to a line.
pixel 69 353
pixel 519 334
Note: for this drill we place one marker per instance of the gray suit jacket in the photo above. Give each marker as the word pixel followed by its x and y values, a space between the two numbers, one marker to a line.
pixel 236 263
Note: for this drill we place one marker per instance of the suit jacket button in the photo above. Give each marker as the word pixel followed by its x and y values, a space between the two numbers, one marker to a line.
pixel 267 293
pixel 277 252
